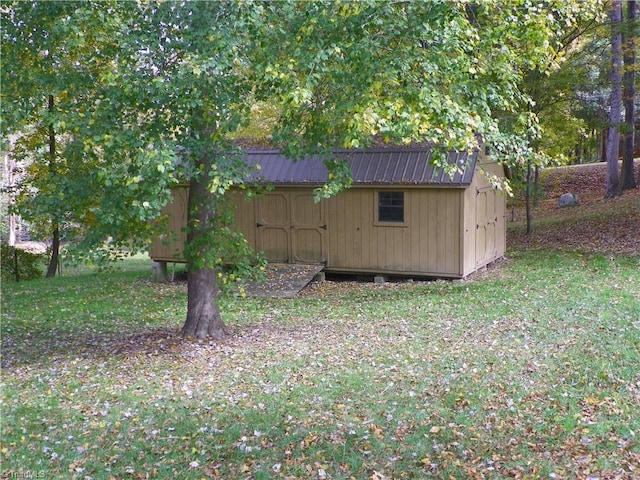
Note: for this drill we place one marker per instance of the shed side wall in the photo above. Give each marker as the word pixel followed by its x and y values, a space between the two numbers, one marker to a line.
pixel 427 243
pixel 169 247
pixel 245 216
pixel 484 220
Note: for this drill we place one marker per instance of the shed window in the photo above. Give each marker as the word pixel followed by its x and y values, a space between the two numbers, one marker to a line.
pixel 391 207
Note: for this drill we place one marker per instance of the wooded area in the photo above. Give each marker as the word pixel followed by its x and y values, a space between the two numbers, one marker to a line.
pixel 108 105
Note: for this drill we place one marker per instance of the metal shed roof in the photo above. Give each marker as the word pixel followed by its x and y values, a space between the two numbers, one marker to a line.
pixel 385 166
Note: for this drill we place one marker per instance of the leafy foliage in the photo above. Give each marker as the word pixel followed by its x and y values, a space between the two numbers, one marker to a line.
pixel 20 265
pixel 164 87
pixel 54 54
pixel 459 66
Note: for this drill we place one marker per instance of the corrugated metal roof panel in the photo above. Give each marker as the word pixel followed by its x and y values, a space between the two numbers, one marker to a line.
pixel 368 167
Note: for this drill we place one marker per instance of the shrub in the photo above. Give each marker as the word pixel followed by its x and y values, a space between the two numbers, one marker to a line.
pixel 20 265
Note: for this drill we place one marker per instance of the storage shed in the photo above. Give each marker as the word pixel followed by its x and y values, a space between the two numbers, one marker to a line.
pixel 401 216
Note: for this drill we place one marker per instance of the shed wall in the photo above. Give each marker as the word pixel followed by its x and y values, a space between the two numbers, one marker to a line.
pixel 245 223
pixel 484 221
pixel 169 247
pixel 427 243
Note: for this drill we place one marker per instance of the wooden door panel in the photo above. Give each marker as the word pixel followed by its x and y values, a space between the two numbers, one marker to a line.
pixel 273 209
pixel 273 225
pixel 274 243
pixel 308 229
pixel 486 226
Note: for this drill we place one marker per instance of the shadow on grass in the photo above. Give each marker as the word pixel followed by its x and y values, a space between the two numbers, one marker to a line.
pixel 34 350
pixel 29 349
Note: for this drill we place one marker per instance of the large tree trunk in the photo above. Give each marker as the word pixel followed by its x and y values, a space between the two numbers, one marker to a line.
pixel 628 179
pixel 203 315
pixel 615 115
pixel 55 240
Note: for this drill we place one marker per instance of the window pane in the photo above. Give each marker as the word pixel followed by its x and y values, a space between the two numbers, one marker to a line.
pixel 391 206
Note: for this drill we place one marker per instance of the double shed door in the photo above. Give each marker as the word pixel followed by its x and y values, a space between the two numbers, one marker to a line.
pixel 487 226
pixel 291 227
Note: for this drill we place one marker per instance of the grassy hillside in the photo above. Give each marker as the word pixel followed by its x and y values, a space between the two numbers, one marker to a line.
pixel 595 225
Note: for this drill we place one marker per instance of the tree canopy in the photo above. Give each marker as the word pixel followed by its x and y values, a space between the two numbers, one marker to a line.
pixel 153 92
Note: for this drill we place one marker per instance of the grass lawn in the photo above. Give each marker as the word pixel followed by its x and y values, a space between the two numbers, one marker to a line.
pixel 530 370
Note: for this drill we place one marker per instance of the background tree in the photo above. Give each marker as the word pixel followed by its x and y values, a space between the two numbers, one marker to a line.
pixel 9 221
pixel 53 55
pixel 629 42
pixel 615 117
pixel 551 88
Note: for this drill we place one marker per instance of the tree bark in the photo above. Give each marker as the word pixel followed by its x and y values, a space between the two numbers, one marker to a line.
pixel 55 252
pixel 629 56
pixel 203 315
pixel 615 115
pixel 536 186
pixel 55 240
pixel 528 198
pixel 580 152
pixel 16 265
